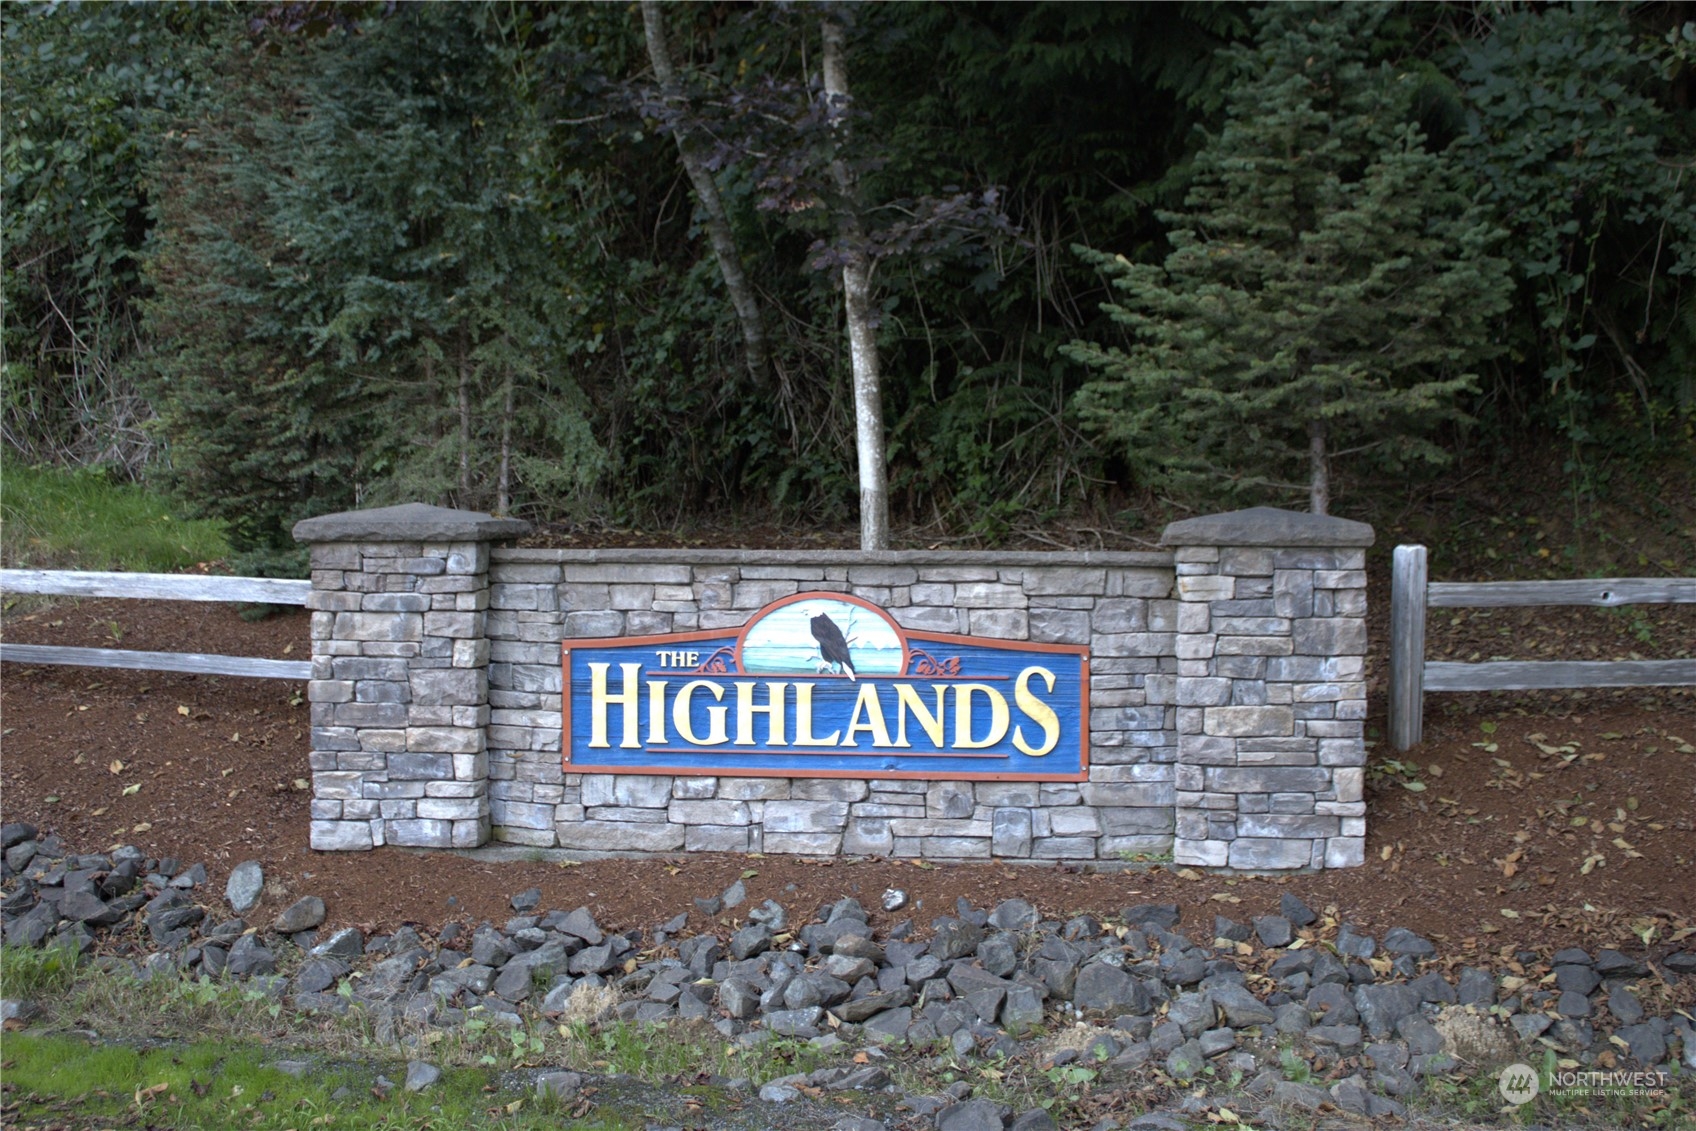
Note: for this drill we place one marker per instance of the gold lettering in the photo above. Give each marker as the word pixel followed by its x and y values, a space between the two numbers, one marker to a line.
pixel 715 715
pixel 869 705
pixel 1038 711
pixel 773 711
pixel 656 711
pixel 998 716
pixel 907 697
pixel 600 700
pixel 804 719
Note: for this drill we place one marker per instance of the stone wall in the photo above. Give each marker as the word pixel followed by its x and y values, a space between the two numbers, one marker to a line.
pixel 1119 604
pixel 1227 693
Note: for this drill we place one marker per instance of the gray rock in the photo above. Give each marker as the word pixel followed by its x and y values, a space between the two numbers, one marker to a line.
pixel 955 938
pixel 303 915
pixel 1159 914
pixel 1421 1036
pixel 1296 911
pixel 1014 915
pixel 1646 1043
pixel 1352 944
pixel 1022 1010
pixel 794 1022
pixel 296 1068
pixel 1576 979
pixel 1530 1026
pixel 1242 1008
pixel 775 1093
pixel 247 958
pixel 771 913
pixel 319 974
pixel 1431 987
pixel 1400 940
pixel 348 942
pixel 1156 1121
pixel 1346 1039
pixel 753 939
pixel 14 833
pixel 1308 1097
pixel 972 1115
pixel 735 895
pixel 86 907
pixel 420 1075
pixel 18 1009
pixel 814 988
pixel 1215 1042
pixel 1274 930
pixel 1185 1062
pixel 1036 1119
pixel 559 1085
pixel 1573 1004
pixel 1333 1003
pixel 862 1008
pixel 1381 1007
pixel 190 878
pixel 858 1123
pixel 1108 990
pixel 1625 1007
pixel 1613 964
pixel 582 924
pixel 1192 1013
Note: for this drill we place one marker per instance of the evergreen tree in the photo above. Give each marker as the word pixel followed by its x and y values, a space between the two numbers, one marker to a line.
pixel 1330 286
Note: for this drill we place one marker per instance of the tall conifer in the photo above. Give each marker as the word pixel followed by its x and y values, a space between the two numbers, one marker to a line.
pixel 1330 288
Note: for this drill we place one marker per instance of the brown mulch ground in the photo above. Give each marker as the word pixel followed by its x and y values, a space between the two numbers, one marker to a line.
pixel 1545 820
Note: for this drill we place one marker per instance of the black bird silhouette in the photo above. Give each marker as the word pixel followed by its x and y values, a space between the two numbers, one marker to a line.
pixel 833 646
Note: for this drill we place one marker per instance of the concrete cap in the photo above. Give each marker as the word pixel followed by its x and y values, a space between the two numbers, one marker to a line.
pixel 1267 526
pixel 409 522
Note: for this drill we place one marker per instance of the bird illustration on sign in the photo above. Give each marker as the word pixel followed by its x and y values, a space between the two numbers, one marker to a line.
pixel 833 646
pixel 824 635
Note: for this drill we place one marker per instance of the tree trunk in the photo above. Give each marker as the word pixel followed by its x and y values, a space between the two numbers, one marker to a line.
pixel 464 417
pixel 862 329
pixel 503 483
pixel 717 222
pixel 1319 470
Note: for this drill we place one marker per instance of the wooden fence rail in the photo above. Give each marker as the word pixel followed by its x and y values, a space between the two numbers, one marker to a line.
pixel 1411 675
pixel 159 587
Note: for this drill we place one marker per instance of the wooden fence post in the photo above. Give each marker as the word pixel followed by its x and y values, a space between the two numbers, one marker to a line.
pixel 1407 647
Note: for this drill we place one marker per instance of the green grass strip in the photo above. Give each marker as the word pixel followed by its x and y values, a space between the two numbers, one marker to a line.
pixel 52 518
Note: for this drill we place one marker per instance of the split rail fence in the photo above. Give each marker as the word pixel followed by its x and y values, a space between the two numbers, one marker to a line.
pixel 158 587
pixel 1412 675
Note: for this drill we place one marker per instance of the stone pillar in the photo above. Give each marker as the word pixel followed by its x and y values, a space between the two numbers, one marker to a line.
pixel 400 687
pixel 1271 690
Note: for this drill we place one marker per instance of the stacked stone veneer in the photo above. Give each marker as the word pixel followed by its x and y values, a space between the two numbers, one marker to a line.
pixel 1271 690
pixel 1227 693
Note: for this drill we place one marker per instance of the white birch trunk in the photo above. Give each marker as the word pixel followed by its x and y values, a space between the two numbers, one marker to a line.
pixel 862 331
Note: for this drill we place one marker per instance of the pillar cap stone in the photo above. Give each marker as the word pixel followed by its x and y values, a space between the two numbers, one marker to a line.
pixel 1267 526
pixel 409 522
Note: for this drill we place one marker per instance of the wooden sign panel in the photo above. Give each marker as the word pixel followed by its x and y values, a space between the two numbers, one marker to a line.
pixel 827 685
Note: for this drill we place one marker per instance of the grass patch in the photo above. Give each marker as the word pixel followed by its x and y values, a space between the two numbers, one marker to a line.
pixel 51 518
pixel 27 972
pixel 215 1085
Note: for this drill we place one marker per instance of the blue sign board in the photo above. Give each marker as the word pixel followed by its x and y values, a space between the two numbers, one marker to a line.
pixel 827 685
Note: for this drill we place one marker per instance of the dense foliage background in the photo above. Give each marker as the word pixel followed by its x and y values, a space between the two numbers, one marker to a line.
pixel 296 258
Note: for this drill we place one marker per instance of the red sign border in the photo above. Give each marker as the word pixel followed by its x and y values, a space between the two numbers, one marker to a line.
pixel 1079 650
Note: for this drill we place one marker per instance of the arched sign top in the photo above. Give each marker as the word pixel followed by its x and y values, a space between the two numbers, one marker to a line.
pixel 819 634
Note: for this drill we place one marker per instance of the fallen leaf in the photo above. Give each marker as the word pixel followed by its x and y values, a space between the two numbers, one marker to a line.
pixel 181 710
pixel 129 789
